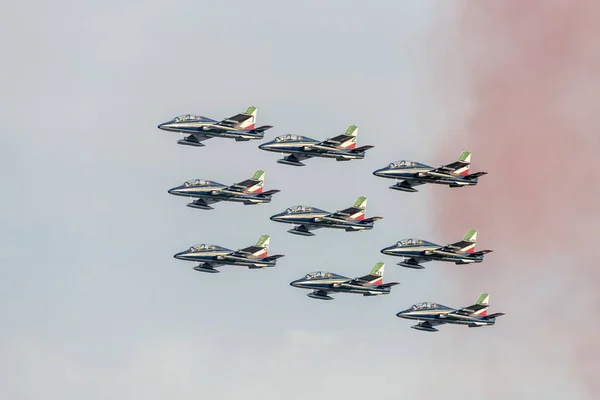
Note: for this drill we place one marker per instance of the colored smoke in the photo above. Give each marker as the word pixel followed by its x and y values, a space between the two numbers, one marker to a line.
pixel 523 81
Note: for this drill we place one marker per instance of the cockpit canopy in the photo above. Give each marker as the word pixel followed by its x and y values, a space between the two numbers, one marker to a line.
pixel 424 306
pixel 288 138
pixel 197 182
pixel 318 274
pixel 188 117
pixel 200 247
pixel 298 209
pixel 402 164
pixel 409 242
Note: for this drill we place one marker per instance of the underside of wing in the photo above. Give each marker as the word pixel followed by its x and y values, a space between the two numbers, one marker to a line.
pixel 200 137
pixel 194 139
pixel 427 326
pixel 203 203
pixel 304 230
pixel 407 185
pixel 207 267
pixel 414 262
pixel 320 295
pixel 294 159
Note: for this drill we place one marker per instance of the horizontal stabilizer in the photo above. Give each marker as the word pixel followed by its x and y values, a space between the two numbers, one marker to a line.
pixel 260 129
pixel 481 252
pixel 273 257
pixel 371 219
pixel 268 193
pixel 389 284
pixel 491 316
pixel 362 149
pixel 475 175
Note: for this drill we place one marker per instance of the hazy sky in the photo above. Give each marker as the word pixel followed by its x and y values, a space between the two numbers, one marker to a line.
pixel 94 305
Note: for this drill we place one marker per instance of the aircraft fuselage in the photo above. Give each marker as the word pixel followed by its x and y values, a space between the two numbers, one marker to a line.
pixel 446 316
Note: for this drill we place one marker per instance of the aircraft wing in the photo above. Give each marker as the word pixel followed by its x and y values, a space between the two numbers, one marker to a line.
pixel 414 262
pixel 427 325
pixel 445 171
pixel 242 186
pixel 247 251
pixel 452 248
pixel 345 213
pixel 334 143
pixel 296 157
pixel 470 310
pixel 232 122
pixel 200 137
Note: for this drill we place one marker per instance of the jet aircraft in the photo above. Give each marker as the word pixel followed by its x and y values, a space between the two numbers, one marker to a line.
pixel 249 191
pixel 417 251
pixel 342 147
pixel 311 218
pixel 210 256
pixel 430 315
pixel 322 283
pixel 411 174
pixel 239 127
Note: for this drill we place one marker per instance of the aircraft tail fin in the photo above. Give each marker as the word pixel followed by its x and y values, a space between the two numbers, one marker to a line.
pixel 469 241
pixel 481 305
pixel 259 178
pixel 375 277
pixel 360 206
pixel 464 162
pixel 351 143
pixel 250 122
pixel 263 244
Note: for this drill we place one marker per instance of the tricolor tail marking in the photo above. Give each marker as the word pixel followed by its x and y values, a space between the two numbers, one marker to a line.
pixel 483 300
pixel 250 122
pixel 263 242
pixel 465 157
pixel 258 188
pixel 471 239
pixel 351 143
pixel 375 277
pixel 361 204
pixel 376 274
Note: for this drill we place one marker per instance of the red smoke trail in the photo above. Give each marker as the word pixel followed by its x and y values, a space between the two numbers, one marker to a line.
pixel 530 80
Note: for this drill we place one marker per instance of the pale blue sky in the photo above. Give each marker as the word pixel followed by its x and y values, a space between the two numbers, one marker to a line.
pixel 94 305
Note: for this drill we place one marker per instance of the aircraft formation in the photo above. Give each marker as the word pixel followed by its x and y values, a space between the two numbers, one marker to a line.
pixel 305 219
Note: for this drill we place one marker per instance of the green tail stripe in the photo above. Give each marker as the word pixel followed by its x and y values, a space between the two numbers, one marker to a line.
pixel 250 110
pixel 376 268
pixel 351 130
pixel 464 156
pixel 259 175
pixel 261 242
pixel 483 297
pixel 470 234
pixel 360 202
